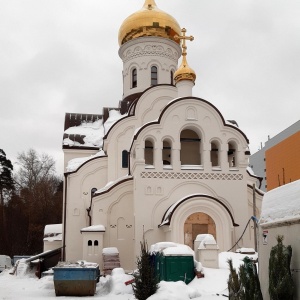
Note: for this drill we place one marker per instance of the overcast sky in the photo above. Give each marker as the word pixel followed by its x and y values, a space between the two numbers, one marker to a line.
pixel 59 56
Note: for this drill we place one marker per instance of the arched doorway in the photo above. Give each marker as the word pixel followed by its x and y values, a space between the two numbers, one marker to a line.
pixel 198 223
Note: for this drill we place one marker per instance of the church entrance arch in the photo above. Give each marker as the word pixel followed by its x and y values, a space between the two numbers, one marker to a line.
pixel 198 223
pixel 224 224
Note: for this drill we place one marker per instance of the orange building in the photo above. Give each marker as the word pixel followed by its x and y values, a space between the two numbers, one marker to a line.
pixel 283 162
pixel 278 162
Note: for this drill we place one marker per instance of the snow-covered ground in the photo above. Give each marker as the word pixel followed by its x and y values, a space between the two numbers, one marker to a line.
pixel 212 286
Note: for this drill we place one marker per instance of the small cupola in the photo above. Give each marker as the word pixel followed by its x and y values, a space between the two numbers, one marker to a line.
pixel 185 76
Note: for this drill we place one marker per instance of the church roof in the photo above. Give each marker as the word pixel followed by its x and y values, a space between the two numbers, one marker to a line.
pixel 86 131
pixel 82 130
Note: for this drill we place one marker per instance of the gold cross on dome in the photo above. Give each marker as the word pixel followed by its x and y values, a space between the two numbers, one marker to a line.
pixel 183 38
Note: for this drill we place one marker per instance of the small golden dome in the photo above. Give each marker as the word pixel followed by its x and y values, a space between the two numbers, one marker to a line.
pixel 184 72
pixel 149 21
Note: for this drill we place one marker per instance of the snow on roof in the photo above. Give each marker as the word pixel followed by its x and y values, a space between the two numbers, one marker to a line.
pixel 114 116
pixel 161 246
pixel 169 212
pixel 75 163
pixel 281 204
pixel 110 250
pixel 52 228
pixel 53 232
pixel 94 228
pixel 205 236
pixel 111 183
pixel 78 264
pixel 170 249
pixel 180 250
pixel 250 170
pixel 93 132
pixel 57 237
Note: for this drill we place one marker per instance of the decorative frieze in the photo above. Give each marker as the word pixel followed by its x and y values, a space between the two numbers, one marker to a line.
pixel 150 50
pixel 191 176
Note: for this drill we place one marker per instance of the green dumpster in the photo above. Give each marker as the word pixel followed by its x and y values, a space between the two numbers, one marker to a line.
pixel 174 267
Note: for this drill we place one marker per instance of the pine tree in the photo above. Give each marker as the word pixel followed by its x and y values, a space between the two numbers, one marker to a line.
pixel 281 286
pixel 145 280
pixel 234 284
pixel 6 180
pixel 249 281
pixel 6 187
pixel 245 285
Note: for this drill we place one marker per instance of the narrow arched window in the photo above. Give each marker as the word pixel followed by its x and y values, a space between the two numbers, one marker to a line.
pixel 166 153
pixel 172 77
pixel 214 154
pixel 149 152
pixel 124 159
pixel 134 78
pixel 96 248
pixel 232 159
pixel 153 75
pixel 90 247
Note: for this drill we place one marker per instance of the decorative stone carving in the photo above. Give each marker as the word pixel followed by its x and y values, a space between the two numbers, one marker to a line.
pixel 188 176
pixel 150 50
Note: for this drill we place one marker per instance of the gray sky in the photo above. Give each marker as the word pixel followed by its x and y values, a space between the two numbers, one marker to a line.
pixel 59 56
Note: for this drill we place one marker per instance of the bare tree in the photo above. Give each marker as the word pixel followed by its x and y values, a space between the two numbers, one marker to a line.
pixel 38 187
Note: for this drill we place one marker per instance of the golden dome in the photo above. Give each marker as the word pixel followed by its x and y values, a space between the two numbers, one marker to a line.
pixel 184 72
pixel 148 21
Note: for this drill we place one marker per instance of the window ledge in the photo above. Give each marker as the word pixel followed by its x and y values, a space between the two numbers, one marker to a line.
pixel 168 167
pixel 149 167
pixel 217 168
pixel 233 169
pixel 192 167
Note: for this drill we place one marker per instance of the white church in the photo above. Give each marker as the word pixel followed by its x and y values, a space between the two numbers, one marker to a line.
pixel 163 164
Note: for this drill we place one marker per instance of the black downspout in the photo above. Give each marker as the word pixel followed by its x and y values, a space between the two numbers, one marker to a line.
pixel 129 173
pixel 64 219
pixel 93 190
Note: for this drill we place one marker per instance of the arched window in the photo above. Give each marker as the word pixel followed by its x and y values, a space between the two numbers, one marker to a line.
pixel 166 152
pixel 153 75
pixel 190 148
pixel 232 155
pixel 172 77
pixel 124 159
pixel 134 78
pixel 90 247
pixel 96 243
pixel 214 154
pixel 148 152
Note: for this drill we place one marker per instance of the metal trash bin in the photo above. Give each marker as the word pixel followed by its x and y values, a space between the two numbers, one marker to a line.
pixel 175 268
pixel 76 279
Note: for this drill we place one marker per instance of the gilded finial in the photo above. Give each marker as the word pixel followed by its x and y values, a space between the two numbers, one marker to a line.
pixel 149 4
pixel 184 72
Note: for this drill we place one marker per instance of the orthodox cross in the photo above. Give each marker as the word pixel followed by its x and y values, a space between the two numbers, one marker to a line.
pixel 183 37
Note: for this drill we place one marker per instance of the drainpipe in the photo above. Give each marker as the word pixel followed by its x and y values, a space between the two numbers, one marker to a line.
pixel 64 218
pixel 254 214
pixel 93 190
pixel 129 173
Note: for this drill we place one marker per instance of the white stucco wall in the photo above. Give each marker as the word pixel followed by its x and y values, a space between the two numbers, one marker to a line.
pixel 290 231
